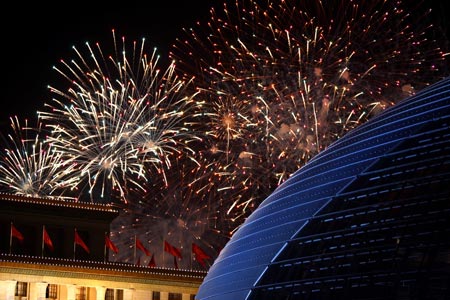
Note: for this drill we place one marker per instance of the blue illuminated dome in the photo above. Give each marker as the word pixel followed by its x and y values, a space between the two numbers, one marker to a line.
pixel 368 218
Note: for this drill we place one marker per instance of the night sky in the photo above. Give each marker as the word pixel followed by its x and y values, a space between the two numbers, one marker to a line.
pixel 38 37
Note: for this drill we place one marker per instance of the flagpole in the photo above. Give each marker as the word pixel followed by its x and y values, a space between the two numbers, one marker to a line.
pixel 191 257
pixel 163 247
pixel 42 249
pixel 104 251
pixel 10 237
pixel 74 244
pixel 134 259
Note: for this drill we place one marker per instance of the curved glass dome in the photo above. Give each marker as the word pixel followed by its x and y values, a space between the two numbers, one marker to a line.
pixel 367 218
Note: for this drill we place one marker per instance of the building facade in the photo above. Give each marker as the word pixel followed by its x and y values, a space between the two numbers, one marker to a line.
pixel 367 218
pixel 31 278
pixel 51 249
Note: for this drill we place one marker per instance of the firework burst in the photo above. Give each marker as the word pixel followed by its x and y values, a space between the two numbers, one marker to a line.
pixel 176 214
pixel 281 80
pixel 31 167
pixel 121 119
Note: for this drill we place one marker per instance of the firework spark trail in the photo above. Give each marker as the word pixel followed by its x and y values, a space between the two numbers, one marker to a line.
pixel 120 118
pixel 31 167
pixel 281 80
pixel 176 214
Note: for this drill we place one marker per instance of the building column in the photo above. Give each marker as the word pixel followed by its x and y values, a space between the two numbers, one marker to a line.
pixel 127 294
pixel 164 296
pixel 185 296
pixel 7 289
pixel 37 290
pixel 71 291
pixel 101 291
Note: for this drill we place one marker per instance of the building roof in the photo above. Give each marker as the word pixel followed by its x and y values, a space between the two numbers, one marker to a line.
pixel 47 202
pixel 113 275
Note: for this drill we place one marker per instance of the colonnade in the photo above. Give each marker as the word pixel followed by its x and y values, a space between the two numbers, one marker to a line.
pixel 38 291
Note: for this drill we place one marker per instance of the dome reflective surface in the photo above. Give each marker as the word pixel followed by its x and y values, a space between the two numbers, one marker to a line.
pixel 367 218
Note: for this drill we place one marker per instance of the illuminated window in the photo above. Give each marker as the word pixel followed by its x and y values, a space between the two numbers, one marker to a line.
pixel 119 295
pixel 21 289
pixel 81 293
pixel 156 296
pixel 109 295
pixel 174 296
pixel 112 294
pixel 51 292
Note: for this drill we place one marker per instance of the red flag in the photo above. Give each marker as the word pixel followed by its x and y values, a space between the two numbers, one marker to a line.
pixel 110 244
pixel 200 255
pixel 16 233
pixel 80 242
pixel 152 262
pixel 140 246
pixel 47 240
pixel 172 250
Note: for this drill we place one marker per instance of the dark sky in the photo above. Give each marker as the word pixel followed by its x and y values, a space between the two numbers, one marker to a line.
pixel 34 38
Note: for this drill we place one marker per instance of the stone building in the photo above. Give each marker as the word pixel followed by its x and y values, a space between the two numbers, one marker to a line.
pixel 52 249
